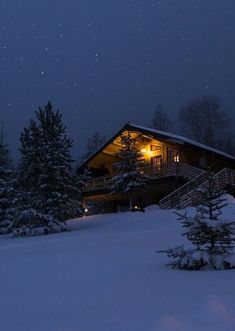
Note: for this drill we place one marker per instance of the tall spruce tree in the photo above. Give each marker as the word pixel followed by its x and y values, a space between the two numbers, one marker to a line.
pixel 6 187
pixel 129 179
pixel 212 236
pixel 47 182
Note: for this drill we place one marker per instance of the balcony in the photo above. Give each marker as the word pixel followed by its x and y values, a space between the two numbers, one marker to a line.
pixel 153 172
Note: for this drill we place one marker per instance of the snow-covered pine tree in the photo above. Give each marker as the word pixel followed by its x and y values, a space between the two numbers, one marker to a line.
pixel 47 183
pixel 212 236
pixel 129 178
pixel 80 179
pixel 6 187
pixel 82 176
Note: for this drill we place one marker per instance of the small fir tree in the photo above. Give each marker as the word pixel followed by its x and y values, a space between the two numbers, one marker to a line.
pixel 49 194
pixel 129 177
pixel 6 187
pixel 212 236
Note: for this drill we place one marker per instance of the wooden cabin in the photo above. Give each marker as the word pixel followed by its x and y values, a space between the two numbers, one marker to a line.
pixel 174 165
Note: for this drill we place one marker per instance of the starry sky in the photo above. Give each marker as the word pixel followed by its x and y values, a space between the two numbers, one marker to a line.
pixel 103 63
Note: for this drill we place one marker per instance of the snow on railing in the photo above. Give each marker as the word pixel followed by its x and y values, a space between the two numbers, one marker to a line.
pixel 153 172
pixel 173 199
pixel 189 171
pixel 103 182
pixel 186 196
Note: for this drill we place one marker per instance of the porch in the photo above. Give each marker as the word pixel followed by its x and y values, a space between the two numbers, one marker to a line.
pixel 153 172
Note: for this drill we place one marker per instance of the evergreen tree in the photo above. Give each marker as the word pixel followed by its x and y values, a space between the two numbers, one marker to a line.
pixel 6 187
pixel 81 177
pixel 48 189
pixel 129 178
pixel 212 236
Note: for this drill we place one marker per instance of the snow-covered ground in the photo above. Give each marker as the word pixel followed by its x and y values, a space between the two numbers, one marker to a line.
pixel 104 275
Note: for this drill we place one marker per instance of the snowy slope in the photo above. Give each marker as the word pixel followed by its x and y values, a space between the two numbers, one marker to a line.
pixel 104 275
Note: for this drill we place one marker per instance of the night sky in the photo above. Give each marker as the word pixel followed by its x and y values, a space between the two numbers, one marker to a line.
pixel 105 62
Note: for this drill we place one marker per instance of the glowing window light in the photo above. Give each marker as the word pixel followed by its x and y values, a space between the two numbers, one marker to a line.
pixel 177 158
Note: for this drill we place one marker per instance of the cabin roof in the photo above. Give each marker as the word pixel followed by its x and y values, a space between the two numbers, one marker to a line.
pixel 182 140
pixel 160 135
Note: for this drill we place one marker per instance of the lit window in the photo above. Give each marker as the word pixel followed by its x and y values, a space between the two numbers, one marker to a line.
pixel 177 158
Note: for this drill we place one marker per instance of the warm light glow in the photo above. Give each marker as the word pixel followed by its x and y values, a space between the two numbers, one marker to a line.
pixel 177 158
pixel 86 210
pixel 146 152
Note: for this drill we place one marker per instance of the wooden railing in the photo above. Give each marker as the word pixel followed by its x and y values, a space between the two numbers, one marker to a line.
pixel 98 183
pixel 103 182
pixel 186 195
pixel 153 172
pixel 188 171
pixel 173 199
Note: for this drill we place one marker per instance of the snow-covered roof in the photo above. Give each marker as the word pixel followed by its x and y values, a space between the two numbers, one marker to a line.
pixel 160 134
pixel 182 140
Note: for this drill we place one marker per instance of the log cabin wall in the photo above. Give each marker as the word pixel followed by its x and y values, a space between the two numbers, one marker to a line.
pixel 205 159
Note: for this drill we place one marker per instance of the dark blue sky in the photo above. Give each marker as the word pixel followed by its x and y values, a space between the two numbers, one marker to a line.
pixel 105 62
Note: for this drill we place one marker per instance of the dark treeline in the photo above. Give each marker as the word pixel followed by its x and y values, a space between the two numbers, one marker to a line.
pixel 93 143
pixel 203 120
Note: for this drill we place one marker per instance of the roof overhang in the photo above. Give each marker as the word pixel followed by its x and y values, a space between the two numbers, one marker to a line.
pixel 156 134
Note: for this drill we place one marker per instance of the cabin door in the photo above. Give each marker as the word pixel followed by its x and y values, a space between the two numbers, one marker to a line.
pixel 156 162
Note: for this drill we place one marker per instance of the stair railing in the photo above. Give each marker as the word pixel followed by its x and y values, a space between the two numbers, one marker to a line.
pixel 174 198
pixel 186 196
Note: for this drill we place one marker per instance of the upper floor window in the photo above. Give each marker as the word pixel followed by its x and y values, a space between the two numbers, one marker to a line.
pixel 155 148
pixel 172 155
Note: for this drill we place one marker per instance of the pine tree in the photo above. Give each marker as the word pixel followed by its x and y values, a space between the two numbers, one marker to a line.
pixel 6 187
pixel 212 236
pixel 47 182
pixel 129 178
pixel 81 178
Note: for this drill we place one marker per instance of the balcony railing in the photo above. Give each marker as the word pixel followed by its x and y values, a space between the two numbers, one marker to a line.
pixel 153 172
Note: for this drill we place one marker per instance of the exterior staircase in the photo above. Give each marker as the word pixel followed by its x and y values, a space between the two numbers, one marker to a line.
pixel 185 196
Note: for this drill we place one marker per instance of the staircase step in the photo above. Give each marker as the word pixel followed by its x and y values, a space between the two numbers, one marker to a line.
pixel 184 196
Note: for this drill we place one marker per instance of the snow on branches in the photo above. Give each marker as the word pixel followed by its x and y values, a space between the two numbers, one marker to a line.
pixel 212 236
pixel 129 177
